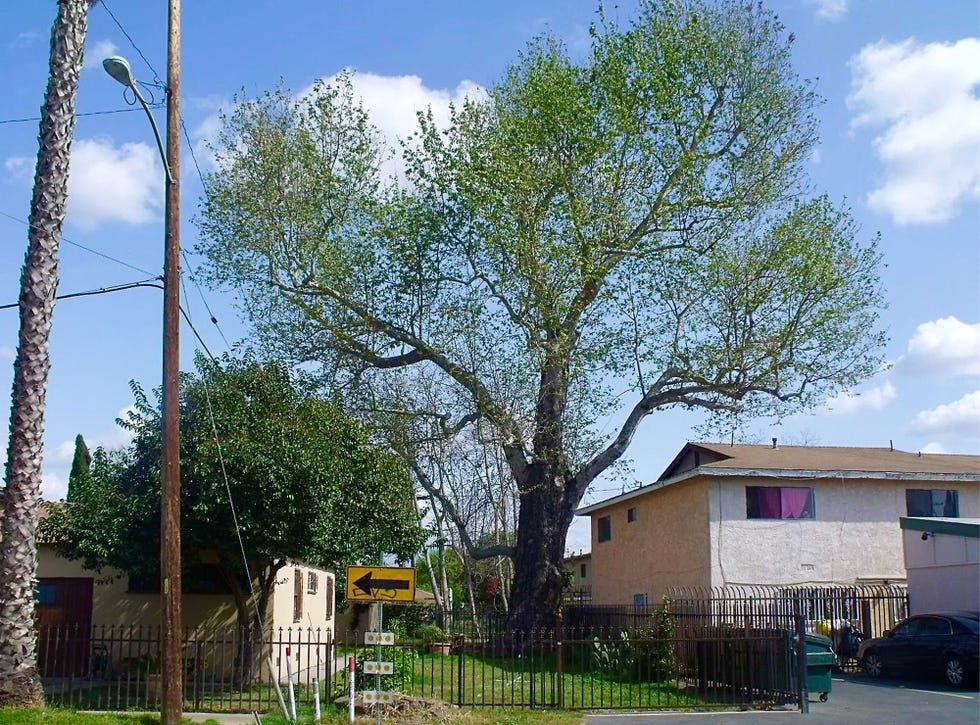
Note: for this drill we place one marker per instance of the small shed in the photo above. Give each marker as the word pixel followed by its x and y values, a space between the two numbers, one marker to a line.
pixel 942 557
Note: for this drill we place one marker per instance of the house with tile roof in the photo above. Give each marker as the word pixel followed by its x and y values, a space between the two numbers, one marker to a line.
pixel 776 515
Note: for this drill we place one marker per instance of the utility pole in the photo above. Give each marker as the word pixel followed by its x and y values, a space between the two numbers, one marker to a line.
pixel 170 586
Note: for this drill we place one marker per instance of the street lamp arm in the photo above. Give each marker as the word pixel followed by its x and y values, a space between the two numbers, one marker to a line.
pixel 156 131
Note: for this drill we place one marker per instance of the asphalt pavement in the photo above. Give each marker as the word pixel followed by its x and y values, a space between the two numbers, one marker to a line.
pixel 854 700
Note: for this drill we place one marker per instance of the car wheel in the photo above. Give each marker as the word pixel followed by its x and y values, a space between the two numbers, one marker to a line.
pixel 954 671
pixel 872 664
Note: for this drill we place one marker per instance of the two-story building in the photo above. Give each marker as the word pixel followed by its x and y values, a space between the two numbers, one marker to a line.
pixel 755 514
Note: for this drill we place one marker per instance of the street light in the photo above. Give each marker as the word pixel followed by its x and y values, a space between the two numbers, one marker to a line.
pixel 170 583
pixel 118 67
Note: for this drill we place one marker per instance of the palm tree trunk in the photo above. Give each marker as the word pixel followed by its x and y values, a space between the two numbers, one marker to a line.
pixel 20 683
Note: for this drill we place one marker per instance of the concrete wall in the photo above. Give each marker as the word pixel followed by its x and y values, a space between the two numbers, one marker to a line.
pixel 943 572
pixel 855 533
pixel 667 545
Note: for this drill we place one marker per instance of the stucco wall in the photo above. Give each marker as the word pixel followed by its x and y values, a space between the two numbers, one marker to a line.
pixel 943 572
pixel 855 533
pixel 666 545
pixel 315 609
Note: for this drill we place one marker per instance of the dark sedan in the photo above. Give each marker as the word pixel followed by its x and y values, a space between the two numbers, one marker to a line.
pixel 946 643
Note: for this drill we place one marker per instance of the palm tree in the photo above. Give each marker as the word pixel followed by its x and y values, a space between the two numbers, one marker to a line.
pixel 20 682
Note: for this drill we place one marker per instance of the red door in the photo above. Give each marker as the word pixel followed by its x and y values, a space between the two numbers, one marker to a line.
pixel 64 617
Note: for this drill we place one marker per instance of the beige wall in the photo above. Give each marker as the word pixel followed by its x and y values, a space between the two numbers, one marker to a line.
pixel 667 545
pixel 314 606
pixel 944 572
pixel 855 533
pixel 112 604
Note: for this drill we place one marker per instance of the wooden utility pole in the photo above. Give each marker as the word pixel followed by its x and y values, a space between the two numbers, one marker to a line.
pixel 170 585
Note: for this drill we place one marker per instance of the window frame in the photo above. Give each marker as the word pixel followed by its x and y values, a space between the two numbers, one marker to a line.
pixel 949 495
pixel 631 515
pixel 754 512
pixel 604 529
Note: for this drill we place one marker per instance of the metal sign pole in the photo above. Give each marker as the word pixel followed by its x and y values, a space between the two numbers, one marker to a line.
pixel 377 657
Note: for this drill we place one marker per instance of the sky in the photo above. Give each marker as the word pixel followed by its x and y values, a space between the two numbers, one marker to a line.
pixel 900 142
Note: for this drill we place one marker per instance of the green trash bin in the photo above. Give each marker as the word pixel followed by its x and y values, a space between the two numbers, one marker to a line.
pixel 820 661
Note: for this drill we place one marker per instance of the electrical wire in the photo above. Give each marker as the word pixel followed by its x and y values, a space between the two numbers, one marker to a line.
pixel 108 112
pixel 152 282
pixel 66 240
pixel 156 76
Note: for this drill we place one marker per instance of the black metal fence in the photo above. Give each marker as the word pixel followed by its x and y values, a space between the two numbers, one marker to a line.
pixel 705 649
pixel 693 665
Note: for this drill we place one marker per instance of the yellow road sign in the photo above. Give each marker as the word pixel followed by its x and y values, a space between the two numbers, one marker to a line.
pixel 389 584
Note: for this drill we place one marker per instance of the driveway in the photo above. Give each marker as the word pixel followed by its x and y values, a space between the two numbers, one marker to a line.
pixel 854 700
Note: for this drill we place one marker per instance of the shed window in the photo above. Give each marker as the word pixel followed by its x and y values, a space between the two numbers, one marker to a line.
pixel 297 595
pixel 931 503
pixel 778 502
pixel 605 528
pixel 631 514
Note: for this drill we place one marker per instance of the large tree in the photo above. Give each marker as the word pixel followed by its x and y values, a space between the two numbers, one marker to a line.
pixel 20 684
pixel 591 242
pixel 301 480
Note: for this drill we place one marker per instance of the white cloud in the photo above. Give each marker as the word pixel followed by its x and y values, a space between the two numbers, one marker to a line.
pixel 20 168
pixel 394 101
pixel 959 418
pixel 110 183
pixel 853 402
pixel 830 9
pixel 97 52
pixel 923 101
pixel 946 347
pixel 934 447
pixel 53 486
pixel 107 183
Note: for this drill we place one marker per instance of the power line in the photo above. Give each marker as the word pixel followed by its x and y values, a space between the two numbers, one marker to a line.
pixel 190 268
pixel 156 76
pixel 109 112
pixel 153 282
pixel 83 247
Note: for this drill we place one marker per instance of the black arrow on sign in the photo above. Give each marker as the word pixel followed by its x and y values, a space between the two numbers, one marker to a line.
pixel 367 583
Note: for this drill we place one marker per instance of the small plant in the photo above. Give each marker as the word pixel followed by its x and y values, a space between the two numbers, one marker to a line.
pixel 431 633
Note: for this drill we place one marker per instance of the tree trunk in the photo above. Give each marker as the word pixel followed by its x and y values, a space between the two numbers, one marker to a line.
pixel 545 516
pixel 20 683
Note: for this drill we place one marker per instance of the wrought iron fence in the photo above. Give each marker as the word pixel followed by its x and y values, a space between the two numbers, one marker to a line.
pixel 710 648
pixel 672 663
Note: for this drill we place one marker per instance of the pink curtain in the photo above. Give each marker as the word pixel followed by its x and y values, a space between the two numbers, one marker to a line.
pixel 794 502
pixel 768 503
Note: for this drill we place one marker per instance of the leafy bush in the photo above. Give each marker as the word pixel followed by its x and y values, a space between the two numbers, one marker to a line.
pixel 648 655
pixel 431 633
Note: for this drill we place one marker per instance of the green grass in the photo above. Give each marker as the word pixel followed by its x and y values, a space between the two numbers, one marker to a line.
pixel 53 716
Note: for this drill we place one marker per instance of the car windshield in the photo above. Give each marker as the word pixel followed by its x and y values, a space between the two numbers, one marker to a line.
pixel 971 624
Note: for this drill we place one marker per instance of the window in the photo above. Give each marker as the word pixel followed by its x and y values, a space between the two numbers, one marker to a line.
pixel 935 502
pixel 640 600
pixel 775 502
pixel 329 612
pixel 312 582
pixel 605 528
pixel 297 595
pixel 581 571
pixel 631 514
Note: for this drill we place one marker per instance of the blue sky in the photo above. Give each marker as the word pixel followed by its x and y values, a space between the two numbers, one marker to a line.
pixel 900 141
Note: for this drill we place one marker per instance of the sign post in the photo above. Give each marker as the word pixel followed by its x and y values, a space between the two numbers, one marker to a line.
pixel 380 584
pixel 388 584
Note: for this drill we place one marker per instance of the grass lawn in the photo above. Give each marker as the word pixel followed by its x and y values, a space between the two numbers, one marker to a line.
pixel 475 681
pixel 330 716
pixel 49 716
